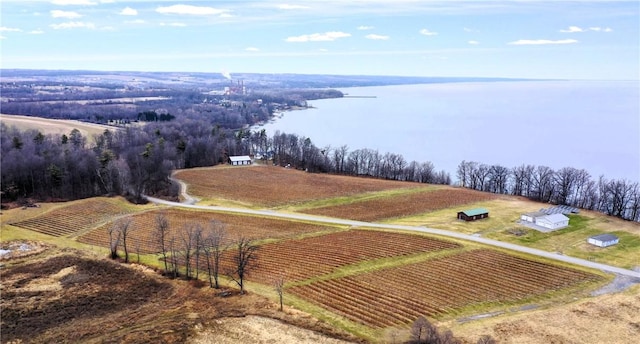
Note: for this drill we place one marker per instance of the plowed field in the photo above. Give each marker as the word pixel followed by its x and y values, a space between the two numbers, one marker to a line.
pixel 397 296
pixel 143 227
pixel 77 216
pixel 403 205
pixel 308 257
pixel 272 186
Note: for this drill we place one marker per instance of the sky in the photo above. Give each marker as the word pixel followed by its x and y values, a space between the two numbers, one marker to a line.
pixel 597 40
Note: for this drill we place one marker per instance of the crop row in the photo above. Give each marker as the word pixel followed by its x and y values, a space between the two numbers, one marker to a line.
pixel 396 296
pixel 74 217
pixel 403 205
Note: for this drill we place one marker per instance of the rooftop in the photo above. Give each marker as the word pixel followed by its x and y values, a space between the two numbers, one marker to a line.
pixel 474 212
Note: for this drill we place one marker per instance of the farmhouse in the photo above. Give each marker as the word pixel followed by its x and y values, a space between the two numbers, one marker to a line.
pixel 553 221
pixel 473 214
pixel 240 160
pixel 531 217
pixel 603 240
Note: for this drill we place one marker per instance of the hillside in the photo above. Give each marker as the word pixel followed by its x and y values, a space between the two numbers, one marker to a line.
pixel 362 283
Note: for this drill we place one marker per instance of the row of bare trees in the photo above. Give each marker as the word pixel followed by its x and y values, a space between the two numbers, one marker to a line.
pixel 566 186
pixel 194 248
pixel 300 152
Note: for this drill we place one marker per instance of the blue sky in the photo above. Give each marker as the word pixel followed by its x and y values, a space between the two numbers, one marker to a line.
pixel 529 39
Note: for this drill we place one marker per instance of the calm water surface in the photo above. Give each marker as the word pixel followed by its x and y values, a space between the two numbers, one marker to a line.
pixel 593 125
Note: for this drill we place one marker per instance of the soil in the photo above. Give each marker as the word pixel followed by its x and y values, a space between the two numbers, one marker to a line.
pixel 66 295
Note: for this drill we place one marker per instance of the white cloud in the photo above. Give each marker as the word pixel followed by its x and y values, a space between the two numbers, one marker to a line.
pixel 319 37
pixel 364 27
pixel 73 25
pixel 191 10
pixel 427 32
pixel 128 11
pixel 136 21
pixel 65 14
pixel 73 2
pixel 542 41
pixel 251 49
pixel 8 29
pixel 377 37
pixel 473 42
pixel 36 32
pixel 599 29
pixel 466 29
pixel 292 7
pixel 174 24
pixel 574 29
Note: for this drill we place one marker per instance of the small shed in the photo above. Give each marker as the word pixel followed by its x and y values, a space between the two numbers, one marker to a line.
pixel 553 221
pixel 473 214
pixel 603 240
pixel 240 160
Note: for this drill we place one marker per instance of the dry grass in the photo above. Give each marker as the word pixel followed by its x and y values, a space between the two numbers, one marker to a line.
pixel 612 318
pixel 53 126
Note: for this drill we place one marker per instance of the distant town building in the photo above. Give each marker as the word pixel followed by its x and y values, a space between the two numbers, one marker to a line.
pixel 473 214
pixel 240 160
pixel 603 240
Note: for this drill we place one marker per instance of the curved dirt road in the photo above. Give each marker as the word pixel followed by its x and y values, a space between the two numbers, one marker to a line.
pixel 446 233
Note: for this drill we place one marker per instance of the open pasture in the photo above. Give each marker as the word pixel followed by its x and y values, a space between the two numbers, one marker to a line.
pixel 143 226
pixel 408 204
pixel 397 296
pixel 76 216
pixel 305 258
pixel 270 186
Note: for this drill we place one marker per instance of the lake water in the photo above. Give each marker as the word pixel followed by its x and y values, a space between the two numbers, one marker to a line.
pixel 593 125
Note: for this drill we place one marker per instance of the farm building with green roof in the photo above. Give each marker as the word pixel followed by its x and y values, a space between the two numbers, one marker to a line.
pixel 473 214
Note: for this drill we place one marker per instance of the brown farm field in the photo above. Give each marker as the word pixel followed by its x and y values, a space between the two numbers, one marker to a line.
pixel 366 282
pixel 270 186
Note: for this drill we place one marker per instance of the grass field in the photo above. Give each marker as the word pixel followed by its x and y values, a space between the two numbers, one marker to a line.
pixel 53 126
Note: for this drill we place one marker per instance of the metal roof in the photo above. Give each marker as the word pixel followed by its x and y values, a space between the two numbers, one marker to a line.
pixel 240 158
pixel 554 218
pixel 604 237
pixel 474 212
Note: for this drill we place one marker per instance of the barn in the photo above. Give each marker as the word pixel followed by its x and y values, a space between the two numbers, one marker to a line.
pixel 553 221
pixel 603 240
pixel 473 214
pixel 240 160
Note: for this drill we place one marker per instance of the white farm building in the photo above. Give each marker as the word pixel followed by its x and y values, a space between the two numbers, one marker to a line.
pixel 240 160
pixel 553 221
pixel 603 240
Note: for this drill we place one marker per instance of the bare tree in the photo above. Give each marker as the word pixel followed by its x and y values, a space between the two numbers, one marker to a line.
pixel 244 259
pixel 422 331
pixel 114 240
pixel 161 231
pixel 213 248
pixel 125 228
pixel 187 237
pixel 278 285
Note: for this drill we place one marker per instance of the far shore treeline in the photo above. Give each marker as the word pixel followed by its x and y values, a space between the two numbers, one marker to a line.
pixel 135 161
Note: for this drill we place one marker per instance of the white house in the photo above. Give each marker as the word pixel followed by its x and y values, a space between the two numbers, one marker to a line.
pixel 553 221
pixel 603 240
pixel 240 160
